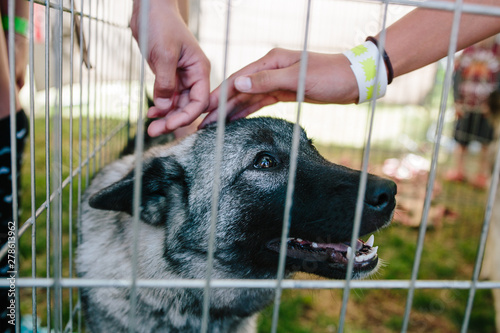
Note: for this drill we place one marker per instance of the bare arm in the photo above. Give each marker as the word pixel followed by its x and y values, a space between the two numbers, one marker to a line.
pixel 182 87
pixel 422 36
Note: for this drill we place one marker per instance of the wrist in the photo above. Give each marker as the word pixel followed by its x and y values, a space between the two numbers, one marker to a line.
pixel 368 67
pixel 155 6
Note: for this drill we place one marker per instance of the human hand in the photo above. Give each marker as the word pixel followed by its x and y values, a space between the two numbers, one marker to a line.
pixel 182 85
pixel 274 78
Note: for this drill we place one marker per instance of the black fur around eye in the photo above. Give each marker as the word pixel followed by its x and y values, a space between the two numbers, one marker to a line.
pixel 265 161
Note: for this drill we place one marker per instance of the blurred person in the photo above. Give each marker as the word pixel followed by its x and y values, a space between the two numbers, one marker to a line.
pixel 477 72
pixel 21 56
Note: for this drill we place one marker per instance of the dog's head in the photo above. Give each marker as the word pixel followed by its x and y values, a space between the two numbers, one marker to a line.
pixel 177 190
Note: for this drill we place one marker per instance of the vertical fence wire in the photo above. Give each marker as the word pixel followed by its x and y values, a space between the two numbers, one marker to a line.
pixel 362 182
pixel 56 166
pixel 99 82
pixel 13 148
pixel 139 146
pixel 219 144
pixel 89 48
pixel 294 151
pixel 433 169
pixel 95 117
pixel 47 154
pixel 80 151
pixel 104 69
pixel 70 199
pixel 31 61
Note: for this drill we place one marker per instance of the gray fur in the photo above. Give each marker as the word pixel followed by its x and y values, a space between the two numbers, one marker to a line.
pixel 175 219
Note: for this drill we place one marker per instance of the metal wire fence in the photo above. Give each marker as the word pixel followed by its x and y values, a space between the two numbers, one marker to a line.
pixel 87 83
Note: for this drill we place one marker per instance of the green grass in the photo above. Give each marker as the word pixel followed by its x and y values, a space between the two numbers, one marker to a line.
pixel 449 253
pixel 40 227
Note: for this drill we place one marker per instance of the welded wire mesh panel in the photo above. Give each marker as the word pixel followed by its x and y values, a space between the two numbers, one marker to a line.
pixel 86 98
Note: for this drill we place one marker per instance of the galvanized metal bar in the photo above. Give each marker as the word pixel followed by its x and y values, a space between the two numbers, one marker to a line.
pixel 13 153
pixel 87 175
pixel 99 64
pixel 96 66
pixel 56 168
pixel 31 60
pixel 47 155
pixel 363 181
pixel 432 174
pixel 291 173
pixel 253 283
pixel 219 145
pixel 80 153
pixel 139 147
pixel 70 199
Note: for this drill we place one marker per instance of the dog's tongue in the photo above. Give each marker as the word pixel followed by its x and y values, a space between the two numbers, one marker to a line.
pixel 332 252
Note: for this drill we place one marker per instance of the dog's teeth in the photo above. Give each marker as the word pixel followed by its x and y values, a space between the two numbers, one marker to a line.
pixel 370 241
pixel 361 258
pixel 374 249
pixel 350 254
pixel 315 245
pixel 299 239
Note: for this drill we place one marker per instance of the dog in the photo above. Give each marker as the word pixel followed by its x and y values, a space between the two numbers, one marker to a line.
pixel 175 216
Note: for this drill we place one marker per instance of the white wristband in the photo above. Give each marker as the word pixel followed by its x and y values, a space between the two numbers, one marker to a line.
pixel 367 62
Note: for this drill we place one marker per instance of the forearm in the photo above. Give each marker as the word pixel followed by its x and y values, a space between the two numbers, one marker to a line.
pixel 179 7
pixel 422 37
pixel 182 6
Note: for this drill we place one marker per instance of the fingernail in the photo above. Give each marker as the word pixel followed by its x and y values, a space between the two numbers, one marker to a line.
pixel 163 103
pixel 243 83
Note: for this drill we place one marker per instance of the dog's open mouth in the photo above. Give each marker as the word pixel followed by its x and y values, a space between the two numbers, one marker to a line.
pixel 336 254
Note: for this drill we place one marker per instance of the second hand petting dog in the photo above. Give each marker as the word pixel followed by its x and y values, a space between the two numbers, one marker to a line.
pixel 175 220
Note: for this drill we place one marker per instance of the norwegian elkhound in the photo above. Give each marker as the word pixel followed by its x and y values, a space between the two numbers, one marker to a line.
pixel 174 226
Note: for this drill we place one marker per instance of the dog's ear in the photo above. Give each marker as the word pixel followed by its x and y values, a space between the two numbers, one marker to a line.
pixel 162 180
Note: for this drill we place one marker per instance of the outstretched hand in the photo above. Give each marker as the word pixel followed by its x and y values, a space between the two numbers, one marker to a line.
pixel 274 78
pixel 182 85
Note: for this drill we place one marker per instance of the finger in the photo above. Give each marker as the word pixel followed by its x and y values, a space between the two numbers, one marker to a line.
pixel 236 103
pixel 157 127
pixel 274 60
pixel 268 100
pixel 183 115
pixel 268 81
pixel 164 65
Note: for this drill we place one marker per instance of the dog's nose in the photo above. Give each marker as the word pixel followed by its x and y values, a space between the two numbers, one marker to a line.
pixel 380 193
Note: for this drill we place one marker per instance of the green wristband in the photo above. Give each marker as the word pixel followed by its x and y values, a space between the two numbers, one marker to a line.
pixel 20 25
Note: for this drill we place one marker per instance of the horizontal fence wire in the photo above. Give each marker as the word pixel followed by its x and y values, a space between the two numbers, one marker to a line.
pixel 246 283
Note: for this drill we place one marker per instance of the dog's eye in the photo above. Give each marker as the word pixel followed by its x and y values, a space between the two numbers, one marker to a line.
pixel 265 161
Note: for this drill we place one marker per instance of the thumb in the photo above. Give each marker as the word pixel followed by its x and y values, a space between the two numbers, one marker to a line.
pixel 165 83
pixel 268 81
